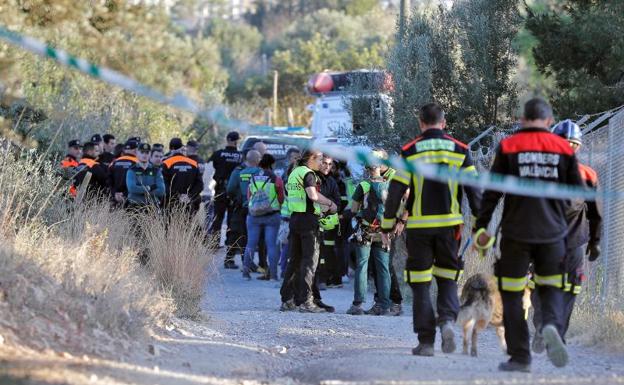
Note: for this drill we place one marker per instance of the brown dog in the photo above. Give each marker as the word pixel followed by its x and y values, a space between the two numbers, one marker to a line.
pixel 481 306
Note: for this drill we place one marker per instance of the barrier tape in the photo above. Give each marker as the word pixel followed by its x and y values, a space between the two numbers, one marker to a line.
pixel 486 181
pixel 491 181
pixel 178 100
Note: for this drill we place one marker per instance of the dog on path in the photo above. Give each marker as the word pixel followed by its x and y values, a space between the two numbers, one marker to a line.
pixel 481 306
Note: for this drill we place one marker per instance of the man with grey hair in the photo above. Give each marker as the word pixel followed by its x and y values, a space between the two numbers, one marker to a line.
pixel 261 147
pixel 236 237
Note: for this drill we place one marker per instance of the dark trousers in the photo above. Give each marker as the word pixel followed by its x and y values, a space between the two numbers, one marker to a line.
pixel 395 289
pixel 574 271
pixel 262 252
pixel 221 206
pixel 236 235
pixel 300 273
pixel 514 264
pixel 433 252
pixel 333 263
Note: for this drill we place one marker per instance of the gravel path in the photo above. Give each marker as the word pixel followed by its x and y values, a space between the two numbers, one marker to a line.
pixel 264 344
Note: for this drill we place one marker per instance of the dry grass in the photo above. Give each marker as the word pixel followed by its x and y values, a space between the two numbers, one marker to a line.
pixel 598 326
pixel 69 274
pixel 179 256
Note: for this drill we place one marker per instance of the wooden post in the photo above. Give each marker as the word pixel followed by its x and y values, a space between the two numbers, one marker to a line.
pixel 275 79
pixel 291 117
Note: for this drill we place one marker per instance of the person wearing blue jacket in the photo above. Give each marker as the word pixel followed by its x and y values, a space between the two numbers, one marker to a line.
pixel 145 182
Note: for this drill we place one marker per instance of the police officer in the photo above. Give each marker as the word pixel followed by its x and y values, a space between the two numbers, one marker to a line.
pixel 369 205
pixel 224 162
pixel 533 230
pixel 237 193
pixel 107 156
pixel 306 205
pixel 328 226
pixel 293 155
pixel 396 297
pixel 117 172
pixel 343 246
pixel 156 157
pixel 146 189
pixel 145 182
pixel 183 179
pixel 98 184
pixel 266 195
pixel 96 139
pixel 584 228
pixel 433 228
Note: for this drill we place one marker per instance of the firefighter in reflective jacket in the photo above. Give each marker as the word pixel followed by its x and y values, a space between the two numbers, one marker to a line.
pixel 584 226
pixel 117 172
pixel 533 230
pixel 433 227
pixel 97 172
pixel 70 162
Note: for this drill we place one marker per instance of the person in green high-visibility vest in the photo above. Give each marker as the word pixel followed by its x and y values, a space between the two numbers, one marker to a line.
pixel 307 206
pixel 293 155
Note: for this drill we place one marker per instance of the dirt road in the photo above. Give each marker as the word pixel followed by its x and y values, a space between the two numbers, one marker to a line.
pixel 244 339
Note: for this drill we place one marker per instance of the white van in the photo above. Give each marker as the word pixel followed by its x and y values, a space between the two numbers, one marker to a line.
pixel 339 111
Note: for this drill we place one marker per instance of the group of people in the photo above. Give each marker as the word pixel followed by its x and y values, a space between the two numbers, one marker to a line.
pixel 135 174
pixel 313 222
pixel 543 240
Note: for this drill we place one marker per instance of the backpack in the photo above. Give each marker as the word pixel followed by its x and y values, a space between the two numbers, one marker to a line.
pixel 259 202
pixel 373 206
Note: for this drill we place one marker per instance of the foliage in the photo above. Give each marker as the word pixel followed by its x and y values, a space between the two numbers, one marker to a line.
pixel 576 47
pixel 137 40
pixel 464 59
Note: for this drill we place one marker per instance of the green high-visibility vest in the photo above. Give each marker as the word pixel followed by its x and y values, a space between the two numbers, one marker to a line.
pixel 329 222
pixel 297 196
pixel 350 189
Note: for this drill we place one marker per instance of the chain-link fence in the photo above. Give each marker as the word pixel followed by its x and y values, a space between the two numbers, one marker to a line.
pixel 603 150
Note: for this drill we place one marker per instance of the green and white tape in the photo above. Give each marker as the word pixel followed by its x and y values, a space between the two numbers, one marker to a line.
pixel 178 100
pixel 487 180
pixel 490 181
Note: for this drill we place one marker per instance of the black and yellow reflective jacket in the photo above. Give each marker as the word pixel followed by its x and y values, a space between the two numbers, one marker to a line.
pixel 431 204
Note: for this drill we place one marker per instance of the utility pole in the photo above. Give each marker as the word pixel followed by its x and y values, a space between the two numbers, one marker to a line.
pixel 404 14
pixel 275 79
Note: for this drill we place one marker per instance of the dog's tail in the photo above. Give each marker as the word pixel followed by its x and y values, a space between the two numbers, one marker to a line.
pixel 475 288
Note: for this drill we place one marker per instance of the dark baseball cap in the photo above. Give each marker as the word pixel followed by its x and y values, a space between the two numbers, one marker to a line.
pixel 74 143
pixel 97 138
pixel 131 145
pixel 135 138
pixel 145 147
pixel 233 136
pixel 192 143
pixel 175 144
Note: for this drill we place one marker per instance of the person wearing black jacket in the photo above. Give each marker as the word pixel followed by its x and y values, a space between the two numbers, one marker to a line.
pixel 98 185
pixel 117 172
pixel 107 156
pixel 533 230
pixel 224 162
pixel 584 227
pixel 433 226
pixel 183 180
pixel 327 257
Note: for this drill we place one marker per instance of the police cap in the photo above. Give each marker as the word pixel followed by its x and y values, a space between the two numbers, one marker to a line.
pixel 74 143
pixel 233 136
pixel 145 147
pixel 97 138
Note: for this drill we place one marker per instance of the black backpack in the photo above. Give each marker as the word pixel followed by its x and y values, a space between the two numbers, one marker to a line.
pixel 373 206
